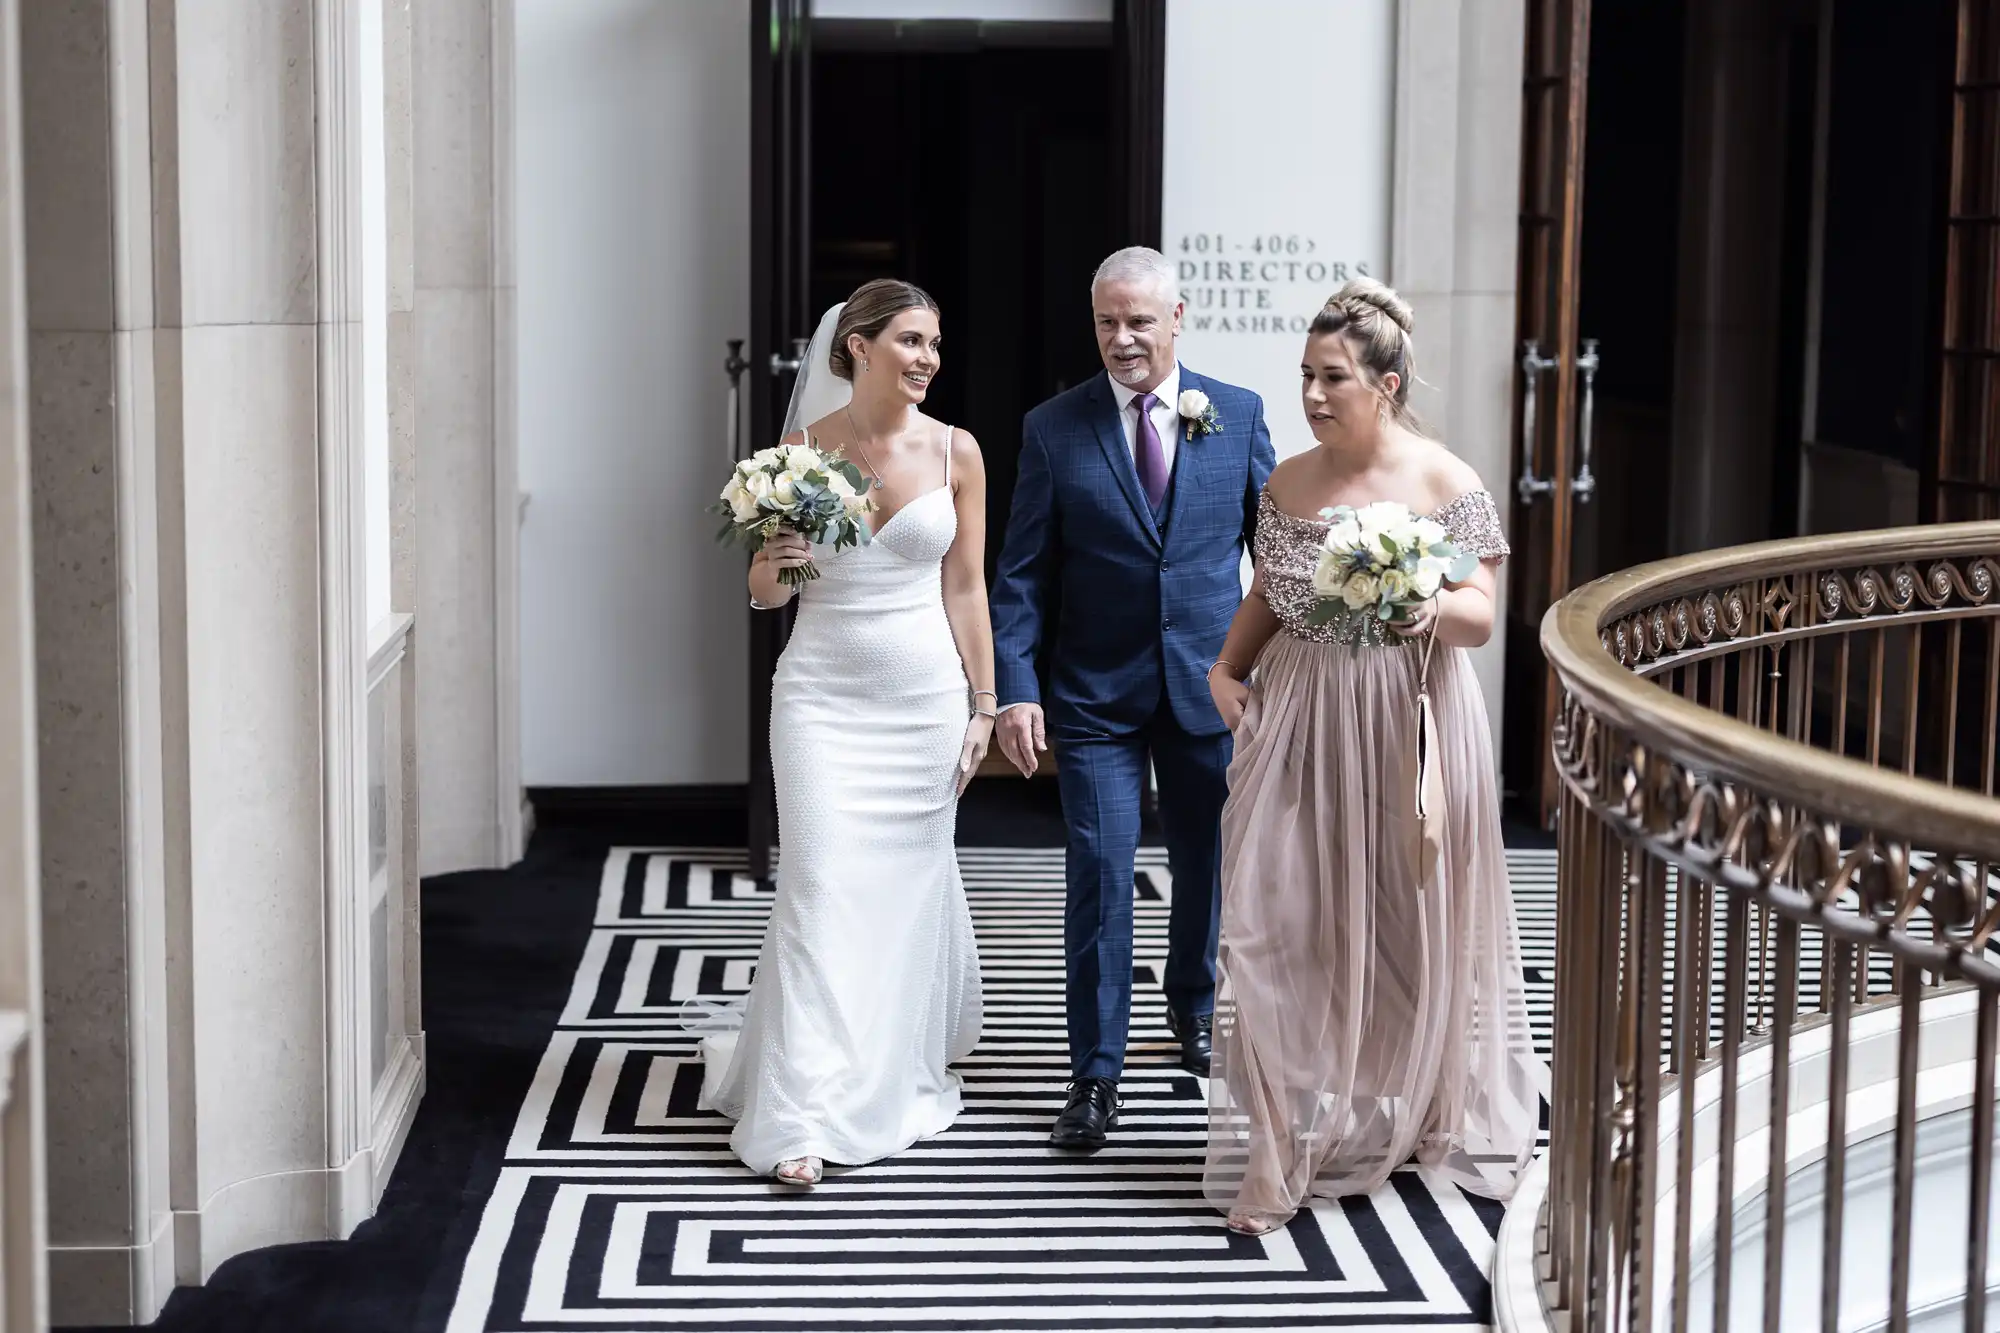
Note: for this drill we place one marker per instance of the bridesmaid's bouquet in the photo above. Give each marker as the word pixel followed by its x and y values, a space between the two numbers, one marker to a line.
pixel 1381 562
pixel 820 496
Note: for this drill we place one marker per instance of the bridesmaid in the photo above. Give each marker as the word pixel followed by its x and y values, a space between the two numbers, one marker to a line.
pixel 1366 1016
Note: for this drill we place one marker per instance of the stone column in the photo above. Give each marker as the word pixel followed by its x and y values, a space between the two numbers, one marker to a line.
pixel 23 1234
pixel 467 481
pixel 467 672
pixel 98 575
pixel 1726 342
pixel 1453 237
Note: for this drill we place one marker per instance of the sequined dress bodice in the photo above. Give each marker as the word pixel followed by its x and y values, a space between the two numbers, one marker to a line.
pixel 1288 551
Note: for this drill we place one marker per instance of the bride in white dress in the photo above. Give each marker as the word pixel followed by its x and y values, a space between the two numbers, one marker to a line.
pixel 867 985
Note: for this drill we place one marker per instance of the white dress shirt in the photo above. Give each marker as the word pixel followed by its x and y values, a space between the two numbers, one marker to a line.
pixel 1166 417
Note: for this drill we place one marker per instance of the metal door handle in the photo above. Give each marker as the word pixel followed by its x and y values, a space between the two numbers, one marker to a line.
pixel 782 365
pixel 1531 487
pixel 733 366
pixel 1584 484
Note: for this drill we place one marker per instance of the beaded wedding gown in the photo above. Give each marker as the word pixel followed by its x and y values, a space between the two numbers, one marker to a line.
pixel 867 984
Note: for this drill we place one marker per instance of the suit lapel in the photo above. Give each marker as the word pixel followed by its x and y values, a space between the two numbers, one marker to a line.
pixel 1188 455
pixel 1111 438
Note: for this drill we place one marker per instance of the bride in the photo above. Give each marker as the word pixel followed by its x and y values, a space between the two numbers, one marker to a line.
pixel 867 985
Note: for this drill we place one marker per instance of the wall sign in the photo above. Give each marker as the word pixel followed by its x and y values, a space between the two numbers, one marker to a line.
pixel 1277 181
pixel 1261 283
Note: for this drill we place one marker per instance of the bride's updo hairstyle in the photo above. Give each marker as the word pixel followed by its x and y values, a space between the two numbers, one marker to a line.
pixel 868 312
pixel 1376 324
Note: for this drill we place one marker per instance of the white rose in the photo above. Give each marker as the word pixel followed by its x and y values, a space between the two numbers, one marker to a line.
pixel 1431 533
pixel 1429 576
pixel 1361 590
pixel 800 460
pixel 743 506
pixel 768 458
pixel 1396 585
pixel 758 485
pixel 838 483
pixel 1344 534
pixel 1193 405
pixel 1383 518
pixel 1330 575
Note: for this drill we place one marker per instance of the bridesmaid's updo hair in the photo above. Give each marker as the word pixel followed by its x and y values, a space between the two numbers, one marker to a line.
pixel 1376 324
pixel 868 312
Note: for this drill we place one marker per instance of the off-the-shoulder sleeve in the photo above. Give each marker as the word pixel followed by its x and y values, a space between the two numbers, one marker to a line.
pixel 1474 523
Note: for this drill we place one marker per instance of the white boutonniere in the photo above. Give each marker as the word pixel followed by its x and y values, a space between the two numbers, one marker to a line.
pixel 1199 413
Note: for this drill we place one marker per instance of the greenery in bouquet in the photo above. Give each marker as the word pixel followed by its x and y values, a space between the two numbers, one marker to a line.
pixel 795 487
pixel 1381 562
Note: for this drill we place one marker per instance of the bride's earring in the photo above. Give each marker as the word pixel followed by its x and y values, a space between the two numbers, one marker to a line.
pixel 864 365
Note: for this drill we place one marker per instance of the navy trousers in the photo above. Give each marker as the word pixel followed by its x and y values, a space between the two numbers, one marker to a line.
pixel 1101 777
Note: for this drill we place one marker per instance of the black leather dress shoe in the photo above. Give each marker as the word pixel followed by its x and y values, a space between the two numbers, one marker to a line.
pixel 1195 1035
pixel 1089 1116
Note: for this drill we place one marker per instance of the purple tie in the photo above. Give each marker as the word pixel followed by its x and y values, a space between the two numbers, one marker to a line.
pixel 1151 459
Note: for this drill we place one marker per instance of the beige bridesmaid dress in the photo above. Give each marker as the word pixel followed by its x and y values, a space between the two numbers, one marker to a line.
pixel 1365 1017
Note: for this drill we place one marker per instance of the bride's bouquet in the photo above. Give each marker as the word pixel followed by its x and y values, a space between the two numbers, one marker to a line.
pixel 1381 562
pixel 818 495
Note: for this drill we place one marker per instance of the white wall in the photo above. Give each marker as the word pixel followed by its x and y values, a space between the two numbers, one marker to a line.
pixel 1384 137
pixel 633 253
pixel 1277 182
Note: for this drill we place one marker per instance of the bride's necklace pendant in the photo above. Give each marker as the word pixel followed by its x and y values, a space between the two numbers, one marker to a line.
pixel 874 477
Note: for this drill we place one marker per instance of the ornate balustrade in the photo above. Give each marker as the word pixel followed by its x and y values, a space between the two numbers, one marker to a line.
pixel 1776 981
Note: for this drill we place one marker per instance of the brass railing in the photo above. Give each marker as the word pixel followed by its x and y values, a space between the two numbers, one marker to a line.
pixel 1779 846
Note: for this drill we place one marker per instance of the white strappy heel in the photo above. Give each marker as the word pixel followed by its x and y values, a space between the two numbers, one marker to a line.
pixel 801 1171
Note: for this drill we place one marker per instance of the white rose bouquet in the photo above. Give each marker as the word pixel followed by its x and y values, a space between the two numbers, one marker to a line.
pixel 818 495
pixel 1382 561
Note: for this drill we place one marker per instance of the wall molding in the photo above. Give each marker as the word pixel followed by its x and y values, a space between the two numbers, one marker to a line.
pixel 396 1102
pixel 343 584
pixel 388 644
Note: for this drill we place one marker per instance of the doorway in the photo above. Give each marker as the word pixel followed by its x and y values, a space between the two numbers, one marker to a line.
pixel 1000 205
pixel 992 162
pixel 1728 292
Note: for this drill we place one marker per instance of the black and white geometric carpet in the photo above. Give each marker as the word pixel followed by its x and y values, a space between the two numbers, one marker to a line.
pixel 619 1207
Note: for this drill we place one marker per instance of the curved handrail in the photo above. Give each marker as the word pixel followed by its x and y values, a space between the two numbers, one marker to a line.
pixel 1832 785
pixel 1704 840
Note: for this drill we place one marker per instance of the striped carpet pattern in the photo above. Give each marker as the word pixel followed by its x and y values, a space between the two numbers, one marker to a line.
pixel 619 1206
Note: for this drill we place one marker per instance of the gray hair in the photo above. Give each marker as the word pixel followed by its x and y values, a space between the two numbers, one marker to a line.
pixel 1142 264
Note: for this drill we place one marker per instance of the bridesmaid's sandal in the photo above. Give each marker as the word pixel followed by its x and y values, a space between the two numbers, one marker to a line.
pixel 803 1171
pixel 1248 1224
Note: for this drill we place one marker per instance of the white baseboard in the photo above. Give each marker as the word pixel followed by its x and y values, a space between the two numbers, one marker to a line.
pixel 278 1209
pixel 112 1284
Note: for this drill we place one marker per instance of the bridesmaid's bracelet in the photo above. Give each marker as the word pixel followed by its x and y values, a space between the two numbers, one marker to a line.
pixel 1223 661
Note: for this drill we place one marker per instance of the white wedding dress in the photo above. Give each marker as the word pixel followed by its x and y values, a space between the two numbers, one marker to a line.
pixel 867 984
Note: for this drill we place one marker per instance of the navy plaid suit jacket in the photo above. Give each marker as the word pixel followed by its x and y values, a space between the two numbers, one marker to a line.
pixel 1141 606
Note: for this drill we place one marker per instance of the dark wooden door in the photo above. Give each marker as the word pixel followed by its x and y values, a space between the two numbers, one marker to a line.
pixel 780 319
pixel 1549 479
pixel 1964 480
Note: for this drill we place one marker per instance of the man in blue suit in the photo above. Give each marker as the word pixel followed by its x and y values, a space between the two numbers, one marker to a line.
pixel 1136 498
